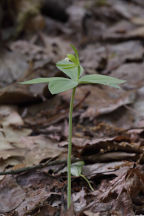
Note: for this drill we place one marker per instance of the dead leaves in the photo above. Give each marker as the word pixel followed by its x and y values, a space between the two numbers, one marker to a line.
pixel 107 124
pixel 17 147
pixel 106 100
pixel 39 148
pixel 11 196
pixel 27 195
pixel 119 194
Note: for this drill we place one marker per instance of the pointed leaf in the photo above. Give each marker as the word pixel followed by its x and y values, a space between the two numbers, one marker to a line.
pixel 76 52
pixel 61 85
pixel 101 79
pixel 76 168
pixel 76 171
pixel 40 80
pixel 69 68
pixel 72 58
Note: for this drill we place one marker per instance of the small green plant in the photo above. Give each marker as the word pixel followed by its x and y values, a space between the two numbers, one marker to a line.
pixel 76 170
pixel 71 67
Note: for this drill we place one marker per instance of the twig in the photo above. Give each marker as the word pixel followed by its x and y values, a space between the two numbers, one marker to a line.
pixel 82 100
pixel 39 166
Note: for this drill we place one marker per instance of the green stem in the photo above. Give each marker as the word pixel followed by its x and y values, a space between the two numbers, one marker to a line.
pixel 78 72
pixel 87 182
pixel 70 149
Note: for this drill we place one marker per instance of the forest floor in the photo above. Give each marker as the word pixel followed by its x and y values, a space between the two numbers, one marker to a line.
pixel 108 124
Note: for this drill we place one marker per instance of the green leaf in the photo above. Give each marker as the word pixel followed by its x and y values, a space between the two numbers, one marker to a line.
pixel 101 79
pixel 40 80
pixel 69 68
pixel 76 53
pixel 76 168
pixel 61 85
pixel 72 58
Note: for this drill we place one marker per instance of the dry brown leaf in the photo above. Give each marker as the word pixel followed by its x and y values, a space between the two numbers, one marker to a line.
pixel 108 168
pixel 39 148
pixel 11 195
pixel 120 192
pixel 101 100
pixel 79 200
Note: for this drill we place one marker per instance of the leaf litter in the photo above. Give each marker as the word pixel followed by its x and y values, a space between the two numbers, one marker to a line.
pixel 108 124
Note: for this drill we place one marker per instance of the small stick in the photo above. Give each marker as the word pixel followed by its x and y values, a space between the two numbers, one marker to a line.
pixel 39 166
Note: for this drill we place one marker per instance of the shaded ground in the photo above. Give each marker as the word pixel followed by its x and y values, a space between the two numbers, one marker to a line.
pixel 108 124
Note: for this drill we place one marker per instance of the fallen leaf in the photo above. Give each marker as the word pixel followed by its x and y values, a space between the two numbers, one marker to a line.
pixel 11 195
pixel 120 192
pixel 46 209
pixel 13 66
pixel 79 200
pixel 39 148
pixel 129 72
pixel 107 168
pixel 106 100
pixel 137 33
